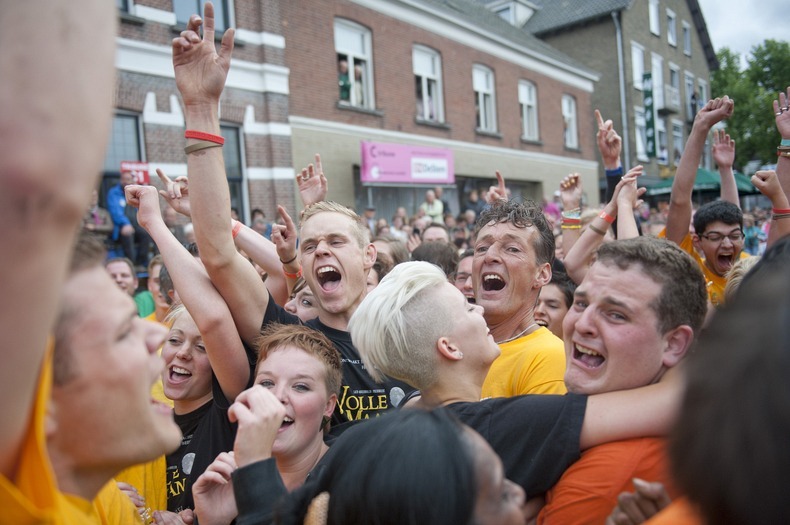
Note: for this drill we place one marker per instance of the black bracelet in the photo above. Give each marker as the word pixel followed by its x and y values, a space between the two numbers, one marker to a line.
pixel 289 261
pixel 615 172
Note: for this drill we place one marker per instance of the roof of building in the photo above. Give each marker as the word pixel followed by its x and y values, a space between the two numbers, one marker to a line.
pixel 561 15
pixel 477 14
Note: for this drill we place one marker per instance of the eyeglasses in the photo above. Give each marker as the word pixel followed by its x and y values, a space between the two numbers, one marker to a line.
pixel 735 236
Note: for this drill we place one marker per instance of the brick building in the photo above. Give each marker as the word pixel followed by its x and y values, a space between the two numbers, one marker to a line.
pixel 445 76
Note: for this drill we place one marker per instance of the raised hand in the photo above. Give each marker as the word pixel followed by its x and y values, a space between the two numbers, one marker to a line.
pixel 312 183
pixel 284 236
pixel 498 192
pixel 213 492
pixel 627 194
pixel 610 144
pixel 723 149
pixel 259 415
pixel 571 191
pixel 768 183
pixel 715 111
pixel 782 111
pixel 146 200
pixel 176 193
pixel 200 71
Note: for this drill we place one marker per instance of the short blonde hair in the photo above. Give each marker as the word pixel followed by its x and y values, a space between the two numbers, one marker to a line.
pixel 397 325
pixel 360 231
pixel 736 274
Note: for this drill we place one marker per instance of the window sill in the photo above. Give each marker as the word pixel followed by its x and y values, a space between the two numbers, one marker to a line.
pixel 531 142
pixel 573 149
pixel 484 133
pixel 359 109
pixel 130 18
pixel 432 123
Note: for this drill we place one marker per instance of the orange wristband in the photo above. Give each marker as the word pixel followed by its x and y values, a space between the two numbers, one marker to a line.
pixel 236 228
pixel 293 275
pixel 605 216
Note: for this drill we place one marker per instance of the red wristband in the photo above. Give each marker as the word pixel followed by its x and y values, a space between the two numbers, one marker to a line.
pixel 236 228
pixel 293 275
pixel 605 216
pixel 192 134
pixel 777 210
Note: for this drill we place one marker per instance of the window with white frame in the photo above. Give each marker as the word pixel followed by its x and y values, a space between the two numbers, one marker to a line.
pixel 691 95
pixel 427 65
pixel 658 80
pixel 354 64
pixel 483 85
pixel 703 93
pixel 686 37
pixel 662 150
pixel 570 122
pixel 233 154
pixel 125 141
pixel 124 6
pixel 672 28
pixel 677 141
pixel 655 24
pixel 528 100
pixel 640 134
pixel 222 12
pixel 673 89
pixel 637 64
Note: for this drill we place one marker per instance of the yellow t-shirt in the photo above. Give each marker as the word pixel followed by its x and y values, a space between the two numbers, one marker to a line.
pixel 533 364
pixel 114 507
pixel 33 497
pixel 715 283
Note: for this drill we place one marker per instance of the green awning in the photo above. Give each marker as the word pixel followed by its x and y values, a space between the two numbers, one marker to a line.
pixel 706 180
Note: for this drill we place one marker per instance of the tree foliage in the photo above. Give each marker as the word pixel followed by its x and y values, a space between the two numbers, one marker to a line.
pixel 754 88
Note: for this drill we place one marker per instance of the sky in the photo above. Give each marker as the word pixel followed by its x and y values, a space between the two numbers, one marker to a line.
pixel 740 24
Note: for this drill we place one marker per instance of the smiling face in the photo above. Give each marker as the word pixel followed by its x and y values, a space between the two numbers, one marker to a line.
pixel 187 375
pixel 463 279
pixel 335 265
pixel 612 340
pixel 719 255
pixel 298 380
pixel 506 275
pixel 123 275
pixel 113 362
pixel 551 309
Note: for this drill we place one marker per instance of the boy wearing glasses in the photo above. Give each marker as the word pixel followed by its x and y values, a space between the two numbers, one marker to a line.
pixel 718 225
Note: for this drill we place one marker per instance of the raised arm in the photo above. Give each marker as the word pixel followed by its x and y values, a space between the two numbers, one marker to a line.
pixel 610 144
pixel 781 108
pixel 768 184
pixel 312 183
pixel 284 237
pixel 47 172
pixel 627 201
pixel 571 197
pixel 724 156
pixel 223 345
pixel 200 76
pixel 577 260
pixel 679 215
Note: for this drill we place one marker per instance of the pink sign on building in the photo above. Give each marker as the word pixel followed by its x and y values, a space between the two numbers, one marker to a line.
pixel 404 164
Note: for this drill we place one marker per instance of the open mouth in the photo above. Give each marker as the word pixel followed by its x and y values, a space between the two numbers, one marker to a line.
pixel 178 374
pixel 587 356
pixel 328 278
pixel 287 422
pixel 493 282
pixel 725 260
pixel 541 322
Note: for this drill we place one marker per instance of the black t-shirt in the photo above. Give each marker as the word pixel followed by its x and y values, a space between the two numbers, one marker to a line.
pixel 207 432
pixel 535 436
pixel 360 396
